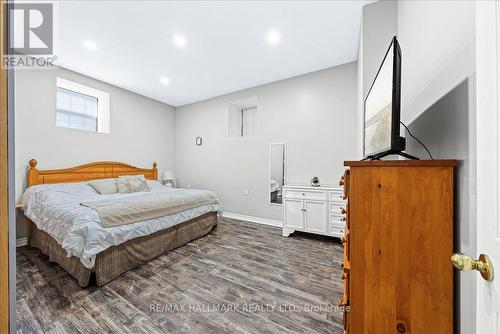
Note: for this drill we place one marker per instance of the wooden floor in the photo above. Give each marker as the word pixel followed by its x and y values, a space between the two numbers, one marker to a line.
pixel 226 282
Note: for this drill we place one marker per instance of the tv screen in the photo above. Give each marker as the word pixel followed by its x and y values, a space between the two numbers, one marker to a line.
pixel 381 116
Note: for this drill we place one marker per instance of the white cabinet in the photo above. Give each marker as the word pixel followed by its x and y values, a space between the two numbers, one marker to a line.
pixel 315 210
pixel 315 216
pixel 294 209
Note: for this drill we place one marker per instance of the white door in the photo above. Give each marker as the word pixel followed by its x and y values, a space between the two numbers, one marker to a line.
pixel 488 166
pixel 316 216
pixel 294 213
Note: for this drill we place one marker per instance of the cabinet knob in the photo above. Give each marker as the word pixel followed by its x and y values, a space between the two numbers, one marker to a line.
pixel 303 194
pixel 341 182
pixel 344 276
pixel 343 211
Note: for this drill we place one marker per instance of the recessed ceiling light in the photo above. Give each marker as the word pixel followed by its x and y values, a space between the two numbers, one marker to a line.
pixel 180 41
pixel 273 37
pixel 164 80
pixel 90 45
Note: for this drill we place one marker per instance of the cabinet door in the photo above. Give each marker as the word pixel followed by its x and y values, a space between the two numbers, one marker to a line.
pixel 294 214
pixel 316 217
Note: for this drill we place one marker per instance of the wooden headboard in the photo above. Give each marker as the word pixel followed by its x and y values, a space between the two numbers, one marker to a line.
pixel 91 171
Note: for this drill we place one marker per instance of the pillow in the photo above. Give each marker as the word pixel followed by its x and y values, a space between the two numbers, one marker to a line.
pixel 155 185
pixel 131 184
pixel 132 177
pixel 104 186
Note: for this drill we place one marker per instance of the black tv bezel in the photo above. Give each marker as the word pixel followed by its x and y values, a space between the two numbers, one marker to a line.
pixel 397 142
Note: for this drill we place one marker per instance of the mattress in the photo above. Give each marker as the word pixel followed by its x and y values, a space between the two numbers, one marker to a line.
pixel 56 210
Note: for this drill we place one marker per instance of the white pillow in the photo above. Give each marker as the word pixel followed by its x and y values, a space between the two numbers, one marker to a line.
pixel 104 186
pixel 156 185
pixel 140 176
pixel 131 184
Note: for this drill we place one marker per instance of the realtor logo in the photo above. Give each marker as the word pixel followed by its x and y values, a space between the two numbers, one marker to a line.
pixel 31 29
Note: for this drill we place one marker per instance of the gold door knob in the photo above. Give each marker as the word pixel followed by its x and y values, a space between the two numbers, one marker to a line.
pixel 466 263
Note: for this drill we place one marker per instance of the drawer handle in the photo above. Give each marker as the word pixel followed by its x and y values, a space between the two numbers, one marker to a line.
pixel 341 182
pixel 343 219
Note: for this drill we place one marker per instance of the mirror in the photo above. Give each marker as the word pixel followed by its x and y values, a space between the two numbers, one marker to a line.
pixel 277 175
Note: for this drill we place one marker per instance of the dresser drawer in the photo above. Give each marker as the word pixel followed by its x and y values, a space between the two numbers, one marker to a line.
pixel 346 243
pixel 344 301
pixel 336 230
pixel 305 194
pixel 338 220
pixel 336 208
pixel 344 182
pixel 334 195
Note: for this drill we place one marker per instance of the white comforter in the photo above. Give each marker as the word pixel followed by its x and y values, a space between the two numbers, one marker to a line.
pixel 56 210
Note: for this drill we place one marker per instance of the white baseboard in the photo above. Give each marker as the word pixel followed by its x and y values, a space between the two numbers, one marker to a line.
pixel 21 242
pixel 258 220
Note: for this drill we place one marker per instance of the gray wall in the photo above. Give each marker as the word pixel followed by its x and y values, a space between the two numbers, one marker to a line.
pixel 438 45
pixel 447 128
pixel 142 130
pixel 315 115
pixel 380 25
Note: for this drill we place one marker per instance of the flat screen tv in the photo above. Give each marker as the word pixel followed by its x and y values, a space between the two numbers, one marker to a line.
pixel 382 108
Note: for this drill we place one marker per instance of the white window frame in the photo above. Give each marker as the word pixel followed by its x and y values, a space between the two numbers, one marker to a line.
pixel 242 117
pixel 103 102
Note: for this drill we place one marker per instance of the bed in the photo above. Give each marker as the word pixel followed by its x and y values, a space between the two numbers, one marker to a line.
pixel 274 189
pixel 73 235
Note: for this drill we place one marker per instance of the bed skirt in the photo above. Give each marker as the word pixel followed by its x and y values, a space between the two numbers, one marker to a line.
pixel 116 260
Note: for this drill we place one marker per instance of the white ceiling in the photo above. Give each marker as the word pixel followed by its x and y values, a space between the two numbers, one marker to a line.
pixel 227 48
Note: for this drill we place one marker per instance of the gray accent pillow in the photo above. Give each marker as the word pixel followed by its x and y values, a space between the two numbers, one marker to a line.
pixel 131 184
pixel 104 186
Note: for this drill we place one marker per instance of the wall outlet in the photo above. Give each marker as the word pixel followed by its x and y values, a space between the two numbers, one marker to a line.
pixel 245 191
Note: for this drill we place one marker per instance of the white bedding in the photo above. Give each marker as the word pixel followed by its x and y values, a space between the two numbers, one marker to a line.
pixel 56 210
pixel 273 186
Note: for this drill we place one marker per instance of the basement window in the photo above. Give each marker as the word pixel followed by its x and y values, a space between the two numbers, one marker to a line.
pixel 81 107
pixel 241 118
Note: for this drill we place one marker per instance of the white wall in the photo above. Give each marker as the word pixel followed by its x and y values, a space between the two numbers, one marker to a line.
pixel 380 25
pixel 142 130
pixel 315 115
pixel 438 45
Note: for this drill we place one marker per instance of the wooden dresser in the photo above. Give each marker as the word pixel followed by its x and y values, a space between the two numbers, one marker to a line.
pixel 397 246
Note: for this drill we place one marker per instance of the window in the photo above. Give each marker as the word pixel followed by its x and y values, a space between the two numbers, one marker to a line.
pixel 81 107
pixel 241 118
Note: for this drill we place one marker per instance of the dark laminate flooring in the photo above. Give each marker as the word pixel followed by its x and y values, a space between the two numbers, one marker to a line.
pixel 241 278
